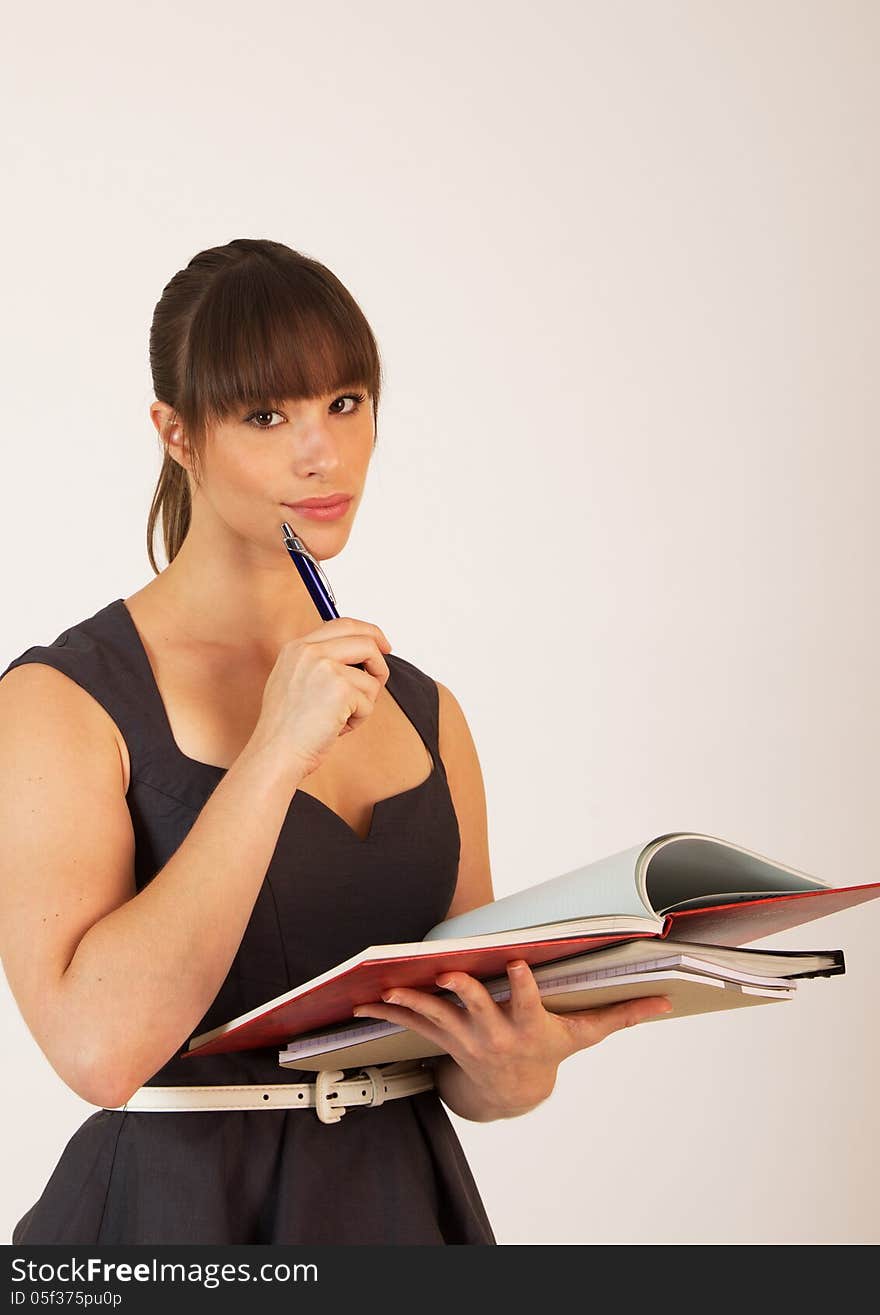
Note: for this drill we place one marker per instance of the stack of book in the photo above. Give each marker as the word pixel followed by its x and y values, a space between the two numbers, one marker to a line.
pixel 666 917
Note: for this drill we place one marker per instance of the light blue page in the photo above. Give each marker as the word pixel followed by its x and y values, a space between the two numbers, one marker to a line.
pixel 607 886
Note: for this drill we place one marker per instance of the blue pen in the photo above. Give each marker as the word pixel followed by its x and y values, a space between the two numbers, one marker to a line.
pixel 312 577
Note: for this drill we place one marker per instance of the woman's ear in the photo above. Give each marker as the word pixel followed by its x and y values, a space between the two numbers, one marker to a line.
pixel 171 434
pixel 177 447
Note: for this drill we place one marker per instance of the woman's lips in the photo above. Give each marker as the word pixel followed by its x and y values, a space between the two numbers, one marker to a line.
pixel 331 513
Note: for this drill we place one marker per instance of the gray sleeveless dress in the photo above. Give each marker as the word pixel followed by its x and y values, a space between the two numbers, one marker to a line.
pixel 395 1174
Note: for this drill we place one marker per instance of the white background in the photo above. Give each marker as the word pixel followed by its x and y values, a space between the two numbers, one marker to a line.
pixel 621 261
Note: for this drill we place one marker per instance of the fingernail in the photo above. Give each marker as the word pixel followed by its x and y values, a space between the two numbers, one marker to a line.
pixel 517 963
pixel 390 998
pixel 443 981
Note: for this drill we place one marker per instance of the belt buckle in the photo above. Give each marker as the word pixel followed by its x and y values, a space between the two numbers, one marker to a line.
pixel 329 1105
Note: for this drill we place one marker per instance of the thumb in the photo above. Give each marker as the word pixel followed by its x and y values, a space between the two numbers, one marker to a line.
pixel 626 1013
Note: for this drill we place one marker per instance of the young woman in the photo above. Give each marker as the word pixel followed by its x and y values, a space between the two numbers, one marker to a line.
pixel 189 828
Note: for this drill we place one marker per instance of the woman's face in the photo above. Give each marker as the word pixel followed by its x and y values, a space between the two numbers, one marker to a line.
pixel 260 460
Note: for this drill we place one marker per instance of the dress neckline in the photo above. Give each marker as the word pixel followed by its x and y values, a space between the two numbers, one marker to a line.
pixel 219 772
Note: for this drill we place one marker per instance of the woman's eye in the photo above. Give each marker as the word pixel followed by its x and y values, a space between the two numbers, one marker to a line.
pixel 255 414
pixel 357 398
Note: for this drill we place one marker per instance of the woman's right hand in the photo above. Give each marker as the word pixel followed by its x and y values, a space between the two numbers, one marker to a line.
pixel 315 693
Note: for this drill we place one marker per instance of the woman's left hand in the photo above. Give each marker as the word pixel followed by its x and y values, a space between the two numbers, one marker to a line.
pixel 508 1053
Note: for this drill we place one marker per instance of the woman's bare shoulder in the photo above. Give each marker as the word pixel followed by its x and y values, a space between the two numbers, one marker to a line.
pixel 37 701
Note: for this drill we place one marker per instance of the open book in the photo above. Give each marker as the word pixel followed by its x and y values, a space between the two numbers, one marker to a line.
pixel 697 979
pixel 680 886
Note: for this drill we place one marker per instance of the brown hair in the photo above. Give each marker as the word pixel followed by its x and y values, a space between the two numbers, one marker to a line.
pixel 246 324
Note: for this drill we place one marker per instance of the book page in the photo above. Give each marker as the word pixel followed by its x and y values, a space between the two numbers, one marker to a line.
pixel 702 870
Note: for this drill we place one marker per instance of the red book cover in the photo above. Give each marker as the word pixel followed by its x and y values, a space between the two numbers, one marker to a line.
pixel 333 1000
pixel 750 920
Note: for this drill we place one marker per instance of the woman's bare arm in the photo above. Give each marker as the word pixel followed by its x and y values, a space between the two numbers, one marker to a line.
pixel 109 980
pixel 464 776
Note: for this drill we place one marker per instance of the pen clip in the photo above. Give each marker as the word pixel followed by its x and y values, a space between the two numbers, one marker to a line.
pixel 317 566
pixel 295 544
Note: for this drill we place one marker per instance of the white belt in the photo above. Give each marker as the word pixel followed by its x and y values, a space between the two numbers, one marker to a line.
pixel 328 1095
